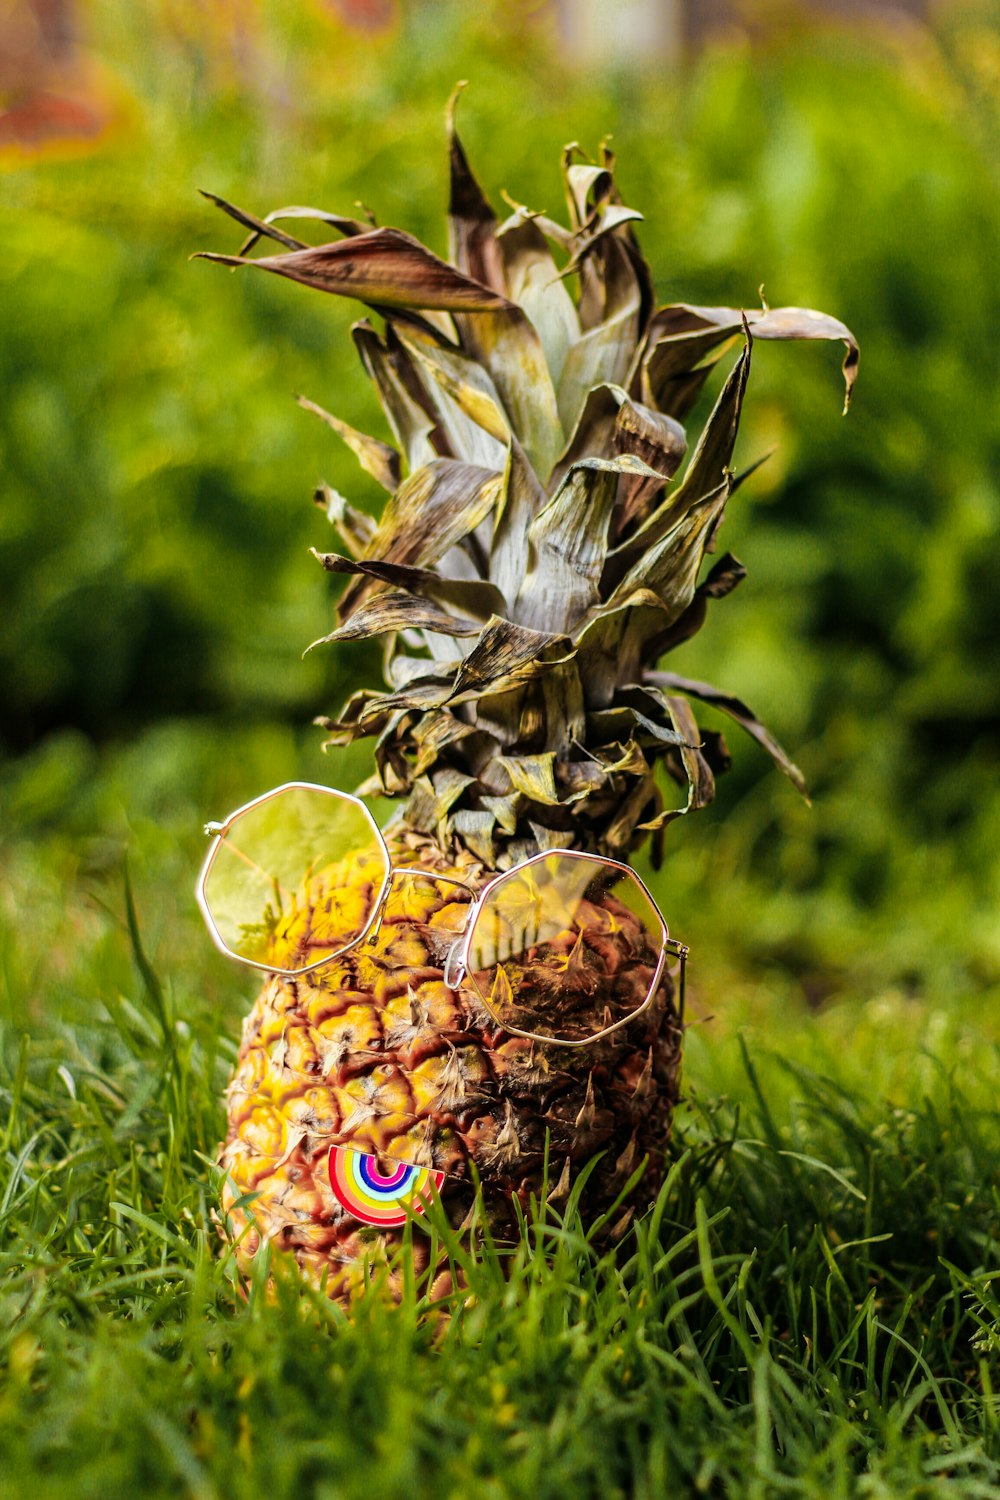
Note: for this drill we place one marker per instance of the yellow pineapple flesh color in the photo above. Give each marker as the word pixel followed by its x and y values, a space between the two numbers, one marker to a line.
pixel 374 1052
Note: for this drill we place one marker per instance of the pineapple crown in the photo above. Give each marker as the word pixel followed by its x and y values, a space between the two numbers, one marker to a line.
pixel 539 551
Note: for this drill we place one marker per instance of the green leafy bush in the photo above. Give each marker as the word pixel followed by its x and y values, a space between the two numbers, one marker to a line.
pixel 156 517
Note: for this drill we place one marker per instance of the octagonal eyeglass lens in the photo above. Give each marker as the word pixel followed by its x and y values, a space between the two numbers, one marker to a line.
pixel 295 878
pixel 566 947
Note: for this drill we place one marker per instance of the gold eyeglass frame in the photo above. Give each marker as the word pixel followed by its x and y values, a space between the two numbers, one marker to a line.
pixel 455 971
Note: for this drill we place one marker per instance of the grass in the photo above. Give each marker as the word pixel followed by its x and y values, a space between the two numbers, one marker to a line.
pixel 807 1308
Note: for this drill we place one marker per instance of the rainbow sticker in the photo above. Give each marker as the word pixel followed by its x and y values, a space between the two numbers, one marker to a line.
pixel 376 1197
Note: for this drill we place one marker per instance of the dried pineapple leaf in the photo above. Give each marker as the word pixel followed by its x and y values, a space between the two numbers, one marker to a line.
pixel 498 715
pixel 602 355
pixel 475 829
pixel 390 758
pixel 521 499
pixel 617 724
pixel 396 611
pixel 375 457
pixel 557 234
pixel 805 323
pixel 356 527
pixel 708 465
pixel 455 434
pixel 433 734
pixel 500 338
pixel 437 689
pixel 343 223
pixel 701 782
pixel 565 714
pixel 472 224
pixel 534 283
pixel 507 655
pixel 467 384
pixel 589 187
pixel 581 777
pixel 432 510
pixel 623 758
pixel 546 839
pixel 532 775
pixel 352 711
pixel 660 442
pixel 401 669
pixel 265 228
pixel 427 693
pixel 611 423
pixel 670 567
pixel 567 543
pixel 603 243
pixel 611 218
pixel 412 427
pixel 509 348
pixel 384 267
pixel 594 433
pixel 504 810
pixel 262 228
pixel 620 833
pixel 736 709
pixel 473 596
pixel 726 575
pixel 599 639
pixel 615 640
pixel 680 336
pixel 432 798
pixel 651 435
pixel 668 373
pixel 449 783
pixel 714 450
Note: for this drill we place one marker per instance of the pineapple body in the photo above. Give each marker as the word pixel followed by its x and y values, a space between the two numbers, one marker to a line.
pixel 542 546
pixel 375 1053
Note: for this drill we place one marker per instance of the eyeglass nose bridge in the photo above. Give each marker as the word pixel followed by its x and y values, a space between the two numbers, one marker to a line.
pixel 453 965
pixel 456 962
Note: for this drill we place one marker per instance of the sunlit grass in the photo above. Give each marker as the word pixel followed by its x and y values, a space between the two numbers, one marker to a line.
pixel 810 1307
pixel 806 1310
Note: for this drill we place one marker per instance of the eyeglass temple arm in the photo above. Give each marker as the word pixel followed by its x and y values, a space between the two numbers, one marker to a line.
pixel 681 951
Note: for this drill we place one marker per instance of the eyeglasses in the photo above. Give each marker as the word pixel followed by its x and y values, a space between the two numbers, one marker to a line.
pixel 564 948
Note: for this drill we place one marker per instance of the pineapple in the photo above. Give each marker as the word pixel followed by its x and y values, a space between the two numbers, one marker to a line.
pixel 539 551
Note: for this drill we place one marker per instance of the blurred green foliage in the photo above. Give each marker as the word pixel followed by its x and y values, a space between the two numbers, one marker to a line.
pixel 156 513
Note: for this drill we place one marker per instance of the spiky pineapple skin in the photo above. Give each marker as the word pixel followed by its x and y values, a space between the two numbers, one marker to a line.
pixel 375 1053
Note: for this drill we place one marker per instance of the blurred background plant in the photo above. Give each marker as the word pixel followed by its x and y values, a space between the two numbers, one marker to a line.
pixel 156 586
